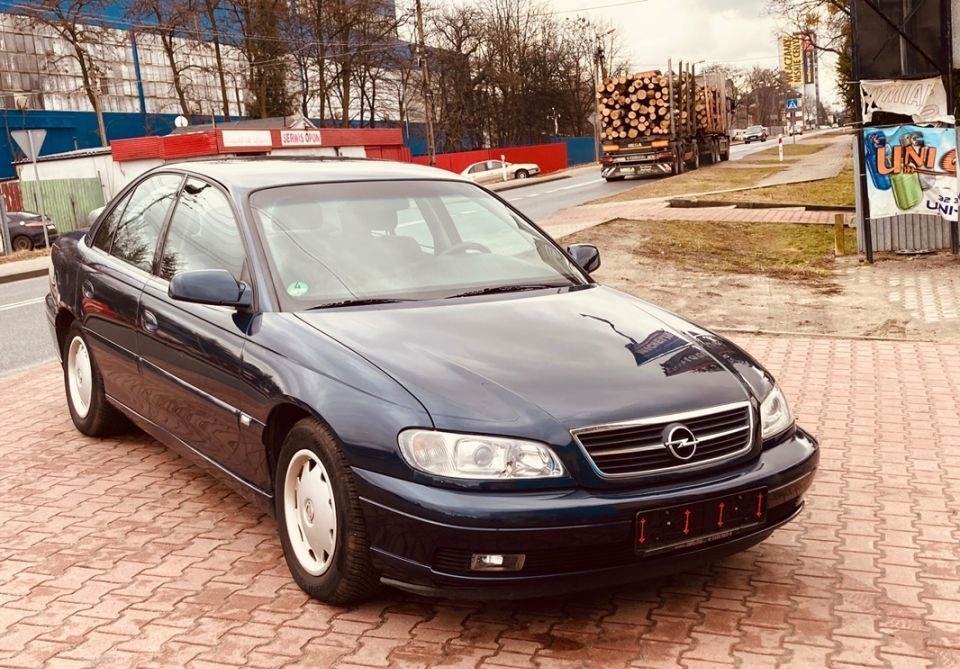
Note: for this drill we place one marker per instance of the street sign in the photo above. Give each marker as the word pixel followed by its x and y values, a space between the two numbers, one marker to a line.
pixel 30 141
pixel 22 138
pixel 793 104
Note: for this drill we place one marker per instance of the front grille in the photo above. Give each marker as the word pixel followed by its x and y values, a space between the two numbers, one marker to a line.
pixel 637 448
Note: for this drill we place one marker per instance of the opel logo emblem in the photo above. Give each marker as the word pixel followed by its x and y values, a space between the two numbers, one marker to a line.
pixel 680 441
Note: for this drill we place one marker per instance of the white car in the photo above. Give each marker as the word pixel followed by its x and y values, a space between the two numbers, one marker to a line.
pixel 498 170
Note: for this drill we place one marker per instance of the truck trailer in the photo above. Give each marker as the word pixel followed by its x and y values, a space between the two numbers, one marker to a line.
pixel 663 122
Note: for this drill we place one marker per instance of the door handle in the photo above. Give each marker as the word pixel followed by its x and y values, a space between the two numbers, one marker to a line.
pixel 149 321
pixel 87 289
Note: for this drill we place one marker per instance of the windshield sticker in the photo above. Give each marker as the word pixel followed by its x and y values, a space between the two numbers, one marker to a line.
pixel 297 289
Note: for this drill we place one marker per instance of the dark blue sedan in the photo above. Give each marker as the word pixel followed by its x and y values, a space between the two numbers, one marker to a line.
pixel 421 385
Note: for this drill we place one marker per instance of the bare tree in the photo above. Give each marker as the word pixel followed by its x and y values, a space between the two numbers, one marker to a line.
pixel 168 21
pixel 258 23
pixel 456 35
pixel 68 20
pixel 825 21
pixel 762 95
pixel 211 13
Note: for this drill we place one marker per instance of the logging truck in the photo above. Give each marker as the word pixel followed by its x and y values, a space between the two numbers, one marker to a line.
pixel 663 122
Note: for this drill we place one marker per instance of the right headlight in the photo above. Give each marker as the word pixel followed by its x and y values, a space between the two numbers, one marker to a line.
pixel 775 415
pixel 478 457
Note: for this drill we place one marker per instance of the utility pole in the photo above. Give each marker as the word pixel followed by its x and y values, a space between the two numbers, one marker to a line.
pixel 427 89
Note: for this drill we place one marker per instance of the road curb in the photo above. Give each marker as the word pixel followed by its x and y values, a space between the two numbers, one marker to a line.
pixel 522 183
pixel 694 203
pixel 20 275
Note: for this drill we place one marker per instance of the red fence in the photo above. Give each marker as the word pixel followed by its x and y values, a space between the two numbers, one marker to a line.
pixel 550 157
pixel 12 196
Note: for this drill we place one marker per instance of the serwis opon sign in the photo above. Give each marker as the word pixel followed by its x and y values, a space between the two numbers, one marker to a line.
pixel 299 137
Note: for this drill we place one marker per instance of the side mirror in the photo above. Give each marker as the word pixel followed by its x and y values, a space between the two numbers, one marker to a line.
pixel 210 286
pixel 587 256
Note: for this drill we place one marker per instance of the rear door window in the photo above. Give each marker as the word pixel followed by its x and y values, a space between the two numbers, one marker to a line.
pixel 138 229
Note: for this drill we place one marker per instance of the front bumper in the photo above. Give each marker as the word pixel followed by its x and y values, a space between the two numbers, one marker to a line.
pixel 422 538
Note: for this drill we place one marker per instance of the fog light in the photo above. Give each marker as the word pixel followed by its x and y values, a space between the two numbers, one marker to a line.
pixel 497 562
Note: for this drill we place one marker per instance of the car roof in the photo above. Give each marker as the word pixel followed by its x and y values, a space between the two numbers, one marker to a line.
pixel 263 172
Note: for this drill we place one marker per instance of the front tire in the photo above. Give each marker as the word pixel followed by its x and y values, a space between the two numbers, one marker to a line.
pixel 21 243
pixel 91 412
pixel 319 519
pixel 522 174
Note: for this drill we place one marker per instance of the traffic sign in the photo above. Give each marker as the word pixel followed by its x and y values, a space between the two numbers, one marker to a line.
pixel 793 104
pixel 23 139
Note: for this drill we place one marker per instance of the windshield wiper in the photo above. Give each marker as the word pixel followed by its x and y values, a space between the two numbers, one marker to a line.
pixel 509 288
pixel 358 302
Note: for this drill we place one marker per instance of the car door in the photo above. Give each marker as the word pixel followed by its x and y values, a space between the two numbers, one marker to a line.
pixel 110 281
pixel 191 353
pixel 492 171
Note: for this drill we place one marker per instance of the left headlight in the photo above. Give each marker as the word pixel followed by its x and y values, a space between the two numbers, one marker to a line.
pixel 775 415
pixel 478 457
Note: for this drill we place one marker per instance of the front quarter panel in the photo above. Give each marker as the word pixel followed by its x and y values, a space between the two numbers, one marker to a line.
pixel 287 362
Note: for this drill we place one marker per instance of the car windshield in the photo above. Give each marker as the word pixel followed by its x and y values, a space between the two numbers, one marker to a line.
pixel 754 128
pixel 350 243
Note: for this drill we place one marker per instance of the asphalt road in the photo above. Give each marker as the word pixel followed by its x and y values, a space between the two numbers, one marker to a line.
pixel 541 200
pixel 24 336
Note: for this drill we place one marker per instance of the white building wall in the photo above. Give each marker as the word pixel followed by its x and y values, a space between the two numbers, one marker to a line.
pixel 37 71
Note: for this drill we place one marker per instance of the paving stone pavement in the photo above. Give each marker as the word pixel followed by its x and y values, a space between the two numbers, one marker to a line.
pixel 118 553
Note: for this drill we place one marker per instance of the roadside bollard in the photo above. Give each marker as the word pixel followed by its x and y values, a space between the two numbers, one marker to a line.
pixel 780 145
pixel 839 238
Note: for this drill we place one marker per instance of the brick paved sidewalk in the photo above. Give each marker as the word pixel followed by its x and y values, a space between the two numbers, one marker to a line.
pixel 117 553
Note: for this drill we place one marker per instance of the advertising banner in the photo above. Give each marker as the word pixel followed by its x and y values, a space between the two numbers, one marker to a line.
pixel 809 60
pixel 912 170
pixel 923 100
pixel 791 59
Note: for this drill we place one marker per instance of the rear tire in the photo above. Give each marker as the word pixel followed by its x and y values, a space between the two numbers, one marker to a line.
pixel 92 413
pixel 678 164
pixel 319 520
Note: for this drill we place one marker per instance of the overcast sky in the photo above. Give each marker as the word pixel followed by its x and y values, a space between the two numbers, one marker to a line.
pixel 739 33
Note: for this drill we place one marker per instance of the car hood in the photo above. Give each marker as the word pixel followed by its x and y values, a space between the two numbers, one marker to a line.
pixel 539 364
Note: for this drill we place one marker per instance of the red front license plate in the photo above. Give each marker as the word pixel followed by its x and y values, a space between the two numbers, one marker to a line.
pixel 700 522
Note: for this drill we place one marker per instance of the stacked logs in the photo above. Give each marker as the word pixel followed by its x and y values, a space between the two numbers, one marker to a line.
pixel 709 101
pixel 639 105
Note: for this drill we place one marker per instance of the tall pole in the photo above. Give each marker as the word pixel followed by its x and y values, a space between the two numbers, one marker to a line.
pixel 861 144
pixel 36 176
pixel 596 104
pixel 427 89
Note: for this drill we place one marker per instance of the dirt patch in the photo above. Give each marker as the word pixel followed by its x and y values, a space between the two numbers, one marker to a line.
pixel 23 255
pixel 852 298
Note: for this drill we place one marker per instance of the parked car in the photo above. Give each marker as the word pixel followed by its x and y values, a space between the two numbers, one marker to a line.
pixel 796 129
pixel 423 387
pixel 26 230
pixel 755 133
pixel 498 170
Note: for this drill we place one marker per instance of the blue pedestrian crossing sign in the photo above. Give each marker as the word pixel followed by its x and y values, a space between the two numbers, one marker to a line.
pixel 793 104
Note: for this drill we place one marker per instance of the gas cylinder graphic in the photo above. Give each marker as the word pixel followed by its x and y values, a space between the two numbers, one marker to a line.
pixel 907 191
pixel 875 140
